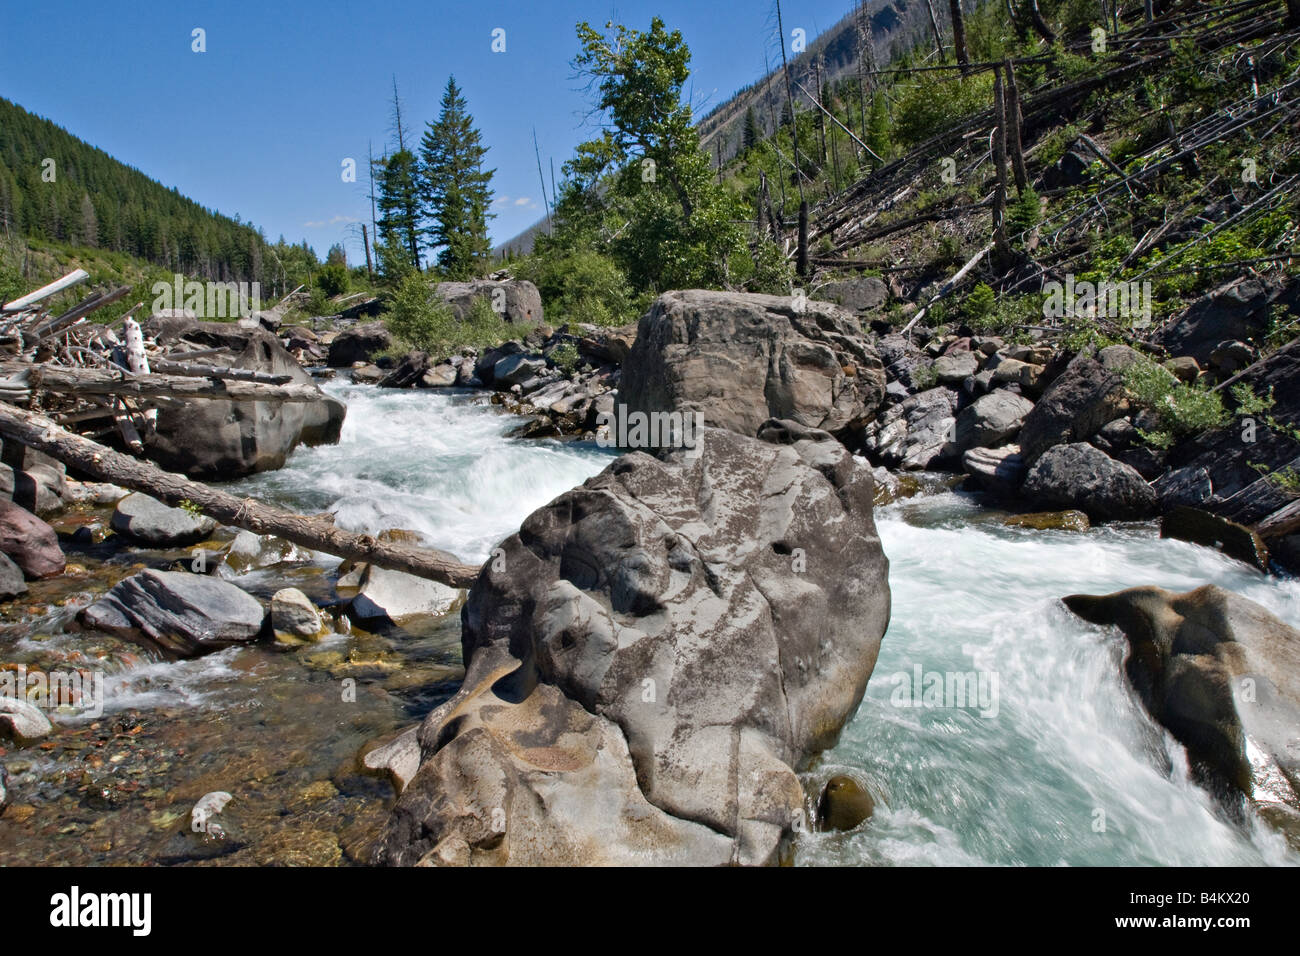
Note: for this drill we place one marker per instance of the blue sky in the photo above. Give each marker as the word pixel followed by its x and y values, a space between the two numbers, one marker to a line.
pixel 260 123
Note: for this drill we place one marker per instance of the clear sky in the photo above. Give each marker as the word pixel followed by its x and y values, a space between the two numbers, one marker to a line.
pixel 260 124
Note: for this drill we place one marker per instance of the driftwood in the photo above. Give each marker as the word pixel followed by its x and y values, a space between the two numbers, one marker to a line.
pixel 317 533
pixel 95 381
pixel 44 292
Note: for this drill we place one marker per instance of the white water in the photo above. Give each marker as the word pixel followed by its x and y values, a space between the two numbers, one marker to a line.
pixel 1069 740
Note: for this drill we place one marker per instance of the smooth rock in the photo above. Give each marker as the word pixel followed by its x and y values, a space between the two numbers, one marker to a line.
pixel 844 804
pixel 183 614
pixel 294 616
pixel 23 722
pixel 998 471
pixel 12 583
pixel 991 420
pixel 148 521
pixel 953 369
pixel 393 596
pixel 29 542
pixel 1081 476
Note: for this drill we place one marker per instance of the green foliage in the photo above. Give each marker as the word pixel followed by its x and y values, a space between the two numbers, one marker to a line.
pixel 333 279
pixel 1181 410
pixel 418 319
pixel 397 179
pixel 578 285
pixel 455 189
pixel 933 103
pixel 1024 214
pixel 566 358
pixel 980 304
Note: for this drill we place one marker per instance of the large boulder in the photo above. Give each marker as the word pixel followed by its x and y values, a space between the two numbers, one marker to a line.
pixel 516 300
pixel 1081 476
pixel 991 420
pixel 740 359
pixel 1086 396
pixel 652 658
pixel 182 614
pixel 866 294
pixel 12 581
pixel 918 433
pixel 31 479
pixel 359 344
pixel 29 542
pixel 1238 309
pixel 997 471
pixel 222 440
pixel 148 521
pixel 1221 673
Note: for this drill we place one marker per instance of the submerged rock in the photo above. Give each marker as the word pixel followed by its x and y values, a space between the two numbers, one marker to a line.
pixel 653 657
pixel 844 804
pixel 1221 673
pixel 147 520
pixel 183 614
pixel 1050 521
pixel 23 722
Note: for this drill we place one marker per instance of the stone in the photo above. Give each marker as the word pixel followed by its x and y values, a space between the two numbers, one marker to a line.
pixel 991 420
pixel 39 484
pixel 997 471
pixel 740 359
pixel 1236 310
pixel 22 722
pixel 920 433
pixel 182 614
pixel 844 804
pixel 1231 356
pixel 1203 528
pixel 1221 673
pixel 515 300
pixel 359 344
pixel 1080 476
pixel 386 596
pixel 443 375
pixel 294 616
pixel 399 758
pixel 952 369
pixel 655 657
pixel 12 583
pixel 866 294
pixel 902 360
pixel 1074 407
pixel 1184 368
pixel 1050 521
pixel 517 369
pixel 29 542
pixel 147 520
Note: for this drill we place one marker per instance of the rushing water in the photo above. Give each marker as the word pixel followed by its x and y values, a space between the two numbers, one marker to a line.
pixel 1058 764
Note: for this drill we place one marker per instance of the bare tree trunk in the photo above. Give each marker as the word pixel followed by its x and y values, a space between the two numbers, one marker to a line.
pixel 934 25
pixel 365 241
pixel 789 92
pixel 1014 144
pixel 1036 17
pixel 103 464
pixel 959 34
pixel 1000 244
pixel 802 258
pixel 102 381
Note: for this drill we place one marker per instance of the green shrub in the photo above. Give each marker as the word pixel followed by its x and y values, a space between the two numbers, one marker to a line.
pixel 1181 410
pixel 934 103
pixel 419 320
pixel 333 279
pixel 565 357
pixel 579 285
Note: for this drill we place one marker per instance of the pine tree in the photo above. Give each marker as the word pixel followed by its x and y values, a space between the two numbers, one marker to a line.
pixel 878 128
pixel 456 190
pixel 399 209
pixel 752 134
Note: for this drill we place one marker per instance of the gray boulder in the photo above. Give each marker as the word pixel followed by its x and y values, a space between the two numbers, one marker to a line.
pixel 30 479
pixel 182 614
pixel 653 658
pixel 917 434
pixel 997 471
pixel 12 582
pixel 1220 672
pixel 1074 407
pixel 516 300
pixel 953 369
pixel 1238 309
pixel 1081 476
pixel 865 294
pixel 991 420
pixel 359 344
pixel 148 521
pixel 741 359
pixel 22 722
pixel 517 369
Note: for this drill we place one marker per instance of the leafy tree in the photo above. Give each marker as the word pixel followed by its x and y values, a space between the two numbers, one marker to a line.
pixel 455 189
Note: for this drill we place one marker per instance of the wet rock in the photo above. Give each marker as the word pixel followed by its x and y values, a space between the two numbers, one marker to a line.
pixel 991 420
pixel 391 596
pixel 1218 671
pixel 368 374
pixel 1201 527
pixel 399 758
pixel 408 372
pixel 12 582
pixel 206 834
pixel 997 471
pixel 443 375
pixel 1081 476
pixel 293 616
pixel 183 614
pixel 251 552
pixel 359 344
pixel 1074 407
pixel 1050 521
pixel 844 804
pixel 22 722
pixel 29 542
pixel 148 521
pixel 741 359
pixel 659 652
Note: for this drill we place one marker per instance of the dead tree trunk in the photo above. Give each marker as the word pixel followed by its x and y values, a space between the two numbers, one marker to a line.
pixel 802 259
pixel 103 464
pixel 959 35
pixel 95 381
pixel 1036 18
pixel 934 25
pixel 1014 144
pixel 1000 243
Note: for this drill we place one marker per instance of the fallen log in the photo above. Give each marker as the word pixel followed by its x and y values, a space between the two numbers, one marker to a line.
pixel 319 534
pixel 44 292
pixel 102 381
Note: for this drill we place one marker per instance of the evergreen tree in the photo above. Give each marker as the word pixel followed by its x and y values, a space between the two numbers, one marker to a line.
pixel 399 210
pixel 455 189
pixel 878 128
pixel 752 134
